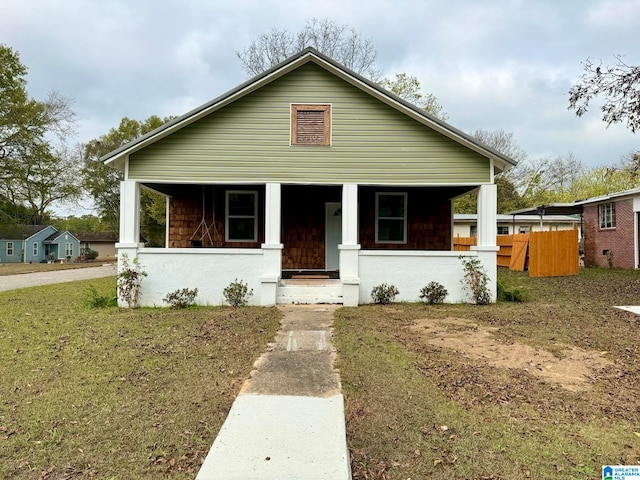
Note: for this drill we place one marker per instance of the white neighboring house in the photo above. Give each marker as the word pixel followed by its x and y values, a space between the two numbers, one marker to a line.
pixel 466 225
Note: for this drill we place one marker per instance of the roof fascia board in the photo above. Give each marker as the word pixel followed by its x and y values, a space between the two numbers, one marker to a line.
pixel 143 181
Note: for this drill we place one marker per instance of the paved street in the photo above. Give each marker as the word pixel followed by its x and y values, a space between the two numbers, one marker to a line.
pixel 12 282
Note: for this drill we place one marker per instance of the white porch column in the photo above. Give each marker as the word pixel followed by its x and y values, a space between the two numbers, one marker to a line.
pixel 271 248
pixel 349 248
pixel 129 214
pixel 487 232
pixel 487 215
pixel 129 224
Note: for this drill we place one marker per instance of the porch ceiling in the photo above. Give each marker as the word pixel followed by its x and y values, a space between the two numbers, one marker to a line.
pixel 174 190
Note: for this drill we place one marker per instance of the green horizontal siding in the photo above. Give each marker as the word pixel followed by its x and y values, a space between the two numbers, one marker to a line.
pixel 249 141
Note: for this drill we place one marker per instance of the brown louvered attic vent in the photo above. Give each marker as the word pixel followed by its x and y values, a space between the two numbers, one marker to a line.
pixel 310 124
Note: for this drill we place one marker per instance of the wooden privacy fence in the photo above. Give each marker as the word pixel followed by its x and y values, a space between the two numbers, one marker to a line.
pixel 544 254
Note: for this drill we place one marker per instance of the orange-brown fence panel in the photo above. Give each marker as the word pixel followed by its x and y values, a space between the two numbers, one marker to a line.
pixel 544 254
pixel 511 247
pixel 505 243
pixel 519 252
pixel 553 253
pixel 463 244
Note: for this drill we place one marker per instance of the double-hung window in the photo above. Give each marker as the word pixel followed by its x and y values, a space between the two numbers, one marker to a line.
pixel 607 215
pixel 35 249
pixel 391 217
pixel 68 250
pixel 241 223
pixel 9 249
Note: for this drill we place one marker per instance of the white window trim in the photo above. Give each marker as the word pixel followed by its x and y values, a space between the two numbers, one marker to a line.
pixel 404 219
pixel 35 249
pixel 68 249
pixel 254 216
pixel 10 249
pixel 611 213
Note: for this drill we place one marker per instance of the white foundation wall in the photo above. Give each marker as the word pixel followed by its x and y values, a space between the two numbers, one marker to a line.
pixel 208 270
pixel 409 271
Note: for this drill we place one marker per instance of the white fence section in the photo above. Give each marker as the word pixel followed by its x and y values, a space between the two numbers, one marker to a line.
pixel 409 271
pixel 208 270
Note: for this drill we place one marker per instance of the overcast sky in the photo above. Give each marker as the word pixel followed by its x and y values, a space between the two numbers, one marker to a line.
pixel 493 64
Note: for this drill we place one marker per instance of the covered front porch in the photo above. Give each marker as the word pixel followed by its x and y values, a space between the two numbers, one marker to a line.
pixel 305 243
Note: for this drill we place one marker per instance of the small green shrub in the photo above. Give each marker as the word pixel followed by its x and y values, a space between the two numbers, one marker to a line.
pixel 237 294
pixel 129 281
pixel 384 294
pixel 94 300
pixel 91 255
pixel 433 293
pixel 181 298
pixel 511 294
pixel 476 280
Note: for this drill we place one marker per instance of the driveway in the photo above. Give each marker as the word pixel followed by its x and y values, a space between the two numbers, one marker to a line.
pixel 24 280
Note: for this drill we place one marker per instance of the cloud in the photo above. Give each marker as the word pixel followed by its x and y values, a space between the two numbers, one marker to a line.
pixel 496 64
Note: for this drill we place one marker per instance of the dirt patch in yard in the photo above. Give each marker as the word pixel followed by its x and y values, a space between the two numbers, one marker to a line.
pixel 574 368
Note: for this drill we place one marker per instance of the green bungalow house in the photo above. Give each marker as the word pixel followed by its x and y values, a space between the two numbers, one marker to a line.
pixel 36 243
pixel 311 184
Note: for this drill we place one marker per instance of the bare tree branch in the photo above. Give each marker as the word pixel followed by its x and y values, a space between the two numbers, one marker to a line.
pixel 620 87
pixel 339 42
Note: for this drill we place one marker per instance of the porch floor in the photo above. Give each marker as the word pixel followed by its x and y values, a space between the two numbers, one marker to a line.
pixel 292 274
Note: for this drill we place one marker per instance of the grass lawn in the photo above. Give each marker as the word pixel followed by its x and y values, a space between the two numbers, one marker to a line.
pixel 545 389
pixel 113 393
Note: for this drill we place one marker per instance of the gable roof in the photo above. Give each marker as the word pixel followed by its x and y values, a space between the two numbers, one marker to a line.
pixel 116 157
pixel 21 232
pixel 96 236
pixel 54 236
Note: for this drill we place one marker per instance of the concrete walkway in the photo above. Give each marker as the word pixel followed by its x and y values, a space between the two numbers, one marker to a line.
pixel 24 280
pixel 288 420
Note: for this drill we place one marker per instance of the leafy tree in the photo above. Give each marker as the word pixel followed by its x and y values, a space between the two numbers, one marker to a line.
pixel 600 181
pixel 102 183
pixel 339 42
pixel 618 84
pixel 11 214
pixel 35 172
pixel 39 177
pixel 408 88
pixel 84 223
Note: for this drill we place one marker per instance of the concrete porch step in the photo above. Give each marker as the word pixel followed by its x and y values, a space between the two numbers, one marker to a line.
pixel 310 291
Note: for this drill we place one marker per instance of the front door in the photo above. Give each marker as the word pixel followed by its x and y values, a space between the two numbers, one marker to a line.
pixel 333 235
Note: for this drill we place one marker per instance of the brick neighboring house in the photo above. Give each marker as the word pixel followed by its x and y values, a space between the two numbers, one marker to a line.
pixel 611 225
